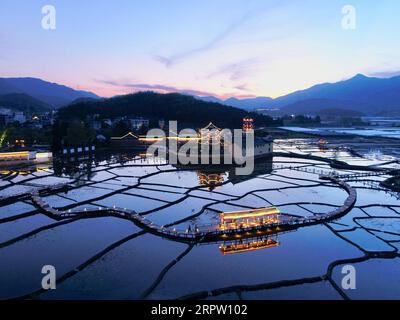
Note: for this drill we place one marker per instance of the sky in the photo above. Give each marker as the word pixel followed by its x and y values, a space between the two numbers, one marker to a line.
pixel 225 48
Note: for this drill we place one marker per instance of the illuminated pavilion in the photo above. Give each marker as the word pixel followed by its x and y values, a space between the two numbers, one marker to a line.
pixel 249 218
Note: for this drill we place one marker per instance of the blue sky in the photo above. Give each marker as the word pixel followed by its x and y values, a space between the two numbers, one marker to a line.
pixel 239 48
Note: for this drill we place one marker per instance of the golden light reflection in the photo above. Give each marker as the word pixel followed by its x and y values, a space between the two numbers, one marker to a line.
pixel 14 155
pixel 248 246
pixel 209 179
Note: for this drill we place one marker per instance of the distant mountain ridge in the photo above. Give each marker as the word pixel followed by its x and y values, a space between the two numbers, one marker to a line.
pixel 360 94
pixel 357 95
pixel 249 104
pixel 52 94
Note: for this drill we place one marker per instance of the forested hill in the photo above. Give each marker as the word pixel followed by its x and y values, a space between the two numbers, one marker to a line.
pixel 184 109
pixel 23 102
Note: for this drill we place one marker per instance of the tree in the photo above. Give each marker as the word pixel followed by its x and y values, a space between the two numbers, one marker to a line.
pixel 121 129
pixel 78 134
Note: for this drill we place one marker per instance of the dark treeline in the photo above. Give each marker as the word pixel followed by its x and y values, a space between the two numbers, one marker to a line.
pixel 184 109
pixel 23 102
pixel 71 133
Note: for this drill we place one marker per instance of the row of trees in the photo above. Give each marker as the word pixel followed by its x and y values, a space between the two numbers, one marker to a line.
pixel 72 133
pixel 30 136
pixel 301 119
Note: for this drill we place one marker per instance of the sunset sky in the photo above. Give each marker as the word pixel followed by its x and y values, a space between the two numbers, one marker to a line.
pixel 240 48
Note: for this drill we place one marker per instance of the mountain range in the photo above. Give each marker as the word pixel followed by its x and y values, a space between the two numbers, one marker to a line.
pixel 358 95
pixel 51 94
pixel 245 104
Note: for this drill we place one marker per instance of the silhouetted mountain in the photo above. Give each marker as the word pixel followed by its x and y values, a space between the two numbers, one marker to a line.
pixel 52 94
pixel 249 104
pixel 185 109
pixel 23 102
pixel 366 95
pixel 360 93
pixel 6 87
pixel 211 99
pixel 323 107
pixel 79 100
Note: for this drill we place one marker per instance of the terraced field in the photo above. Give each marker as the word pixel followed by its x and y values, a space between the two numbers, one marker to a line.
pixel 104 256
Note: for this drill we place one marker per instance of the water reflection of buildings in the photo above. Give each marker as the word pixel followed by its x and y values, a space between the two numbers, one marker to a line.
pixel 211 179
pixel 25 170
pixel 261 167
pixel 212 176
pixel 84 164
pixel 248 245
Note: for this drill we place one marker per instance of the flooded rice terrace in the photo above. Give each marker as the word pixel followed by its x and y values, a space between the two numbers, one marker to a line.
pixel 109 257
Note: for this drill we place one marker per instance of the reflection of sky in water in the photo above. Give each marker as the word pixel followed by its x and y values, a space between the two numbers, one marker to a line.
pixel 384 132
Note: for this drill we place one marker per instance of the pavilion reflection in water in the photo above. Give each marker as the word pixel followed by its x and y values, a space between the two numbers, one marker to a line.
pixel 247 245
pixel 211 179
pixel 230 221
pixel 85 164
pixel 212 176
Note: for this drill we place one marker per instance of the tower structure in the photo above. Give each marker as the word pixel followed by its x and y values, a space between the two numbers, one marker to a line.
pixel 248 124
